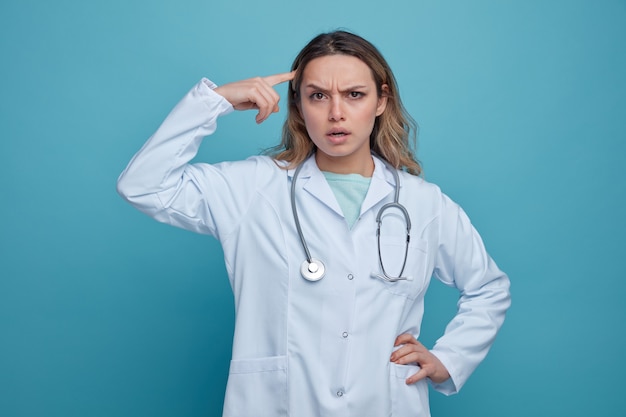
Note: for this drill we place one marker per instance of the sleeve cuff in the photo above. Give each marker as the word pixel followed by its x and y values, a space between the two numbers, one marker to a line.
pixel 206 88
pixel 449 386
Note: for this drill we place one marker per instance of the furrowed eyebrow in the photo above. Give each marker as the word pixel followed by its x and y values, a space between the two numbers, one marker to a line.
pixel 345 90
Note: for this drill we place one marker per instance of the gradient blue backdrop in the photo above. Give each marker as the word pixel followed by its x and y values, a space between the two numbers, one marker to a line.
pixel 522 109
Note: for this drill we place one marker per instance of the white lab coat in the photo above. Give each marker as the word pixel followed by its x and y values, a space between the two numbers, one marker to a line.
pixel 301 348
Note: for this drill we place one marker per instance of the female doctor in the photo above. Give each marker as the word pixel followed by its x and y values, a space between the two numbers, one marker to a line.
pixel 329 243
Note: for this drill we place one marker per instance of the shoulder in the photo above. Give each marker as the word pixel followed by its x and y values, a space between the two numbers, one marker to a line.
pixel 429 195
pixel 260 168
pixel 258 163
pixel 417 184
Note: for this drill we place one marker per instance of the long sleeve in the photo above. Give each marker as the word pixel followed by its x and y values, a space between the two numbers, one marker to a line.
pixel 159 180
pixel 463 263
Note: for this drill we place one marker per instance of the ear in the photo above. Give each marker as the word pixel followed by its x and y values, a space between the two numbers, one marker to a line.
pixel 382 100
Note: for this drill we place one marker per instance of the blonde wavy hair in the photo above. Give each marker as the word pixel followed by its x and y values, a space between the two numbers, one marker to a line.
pixel 394 135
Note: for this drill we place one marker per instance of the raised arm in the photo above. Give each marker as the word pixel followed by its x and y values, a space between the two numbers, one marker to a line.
pixel 255 93
pixel 160 181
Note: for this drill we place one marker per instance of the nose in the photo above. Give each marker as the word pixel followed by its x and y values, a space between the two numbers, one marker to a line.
pixel 336 110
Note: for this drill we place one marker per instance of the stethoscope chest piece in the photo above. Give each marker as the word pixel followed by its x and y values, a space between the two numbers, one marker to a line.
pixel 312 271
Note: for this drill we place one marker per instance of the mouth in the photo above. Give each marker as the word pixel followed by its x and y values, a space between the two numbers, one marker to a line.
pixel 337 133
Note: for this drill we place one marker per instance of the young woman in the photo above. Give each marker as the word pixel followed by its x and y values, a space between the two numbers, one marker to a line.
pixel 330 243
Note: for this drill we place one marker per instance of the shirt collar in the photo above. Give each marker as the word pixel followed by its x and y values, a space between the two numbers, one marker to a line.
pixel 313 181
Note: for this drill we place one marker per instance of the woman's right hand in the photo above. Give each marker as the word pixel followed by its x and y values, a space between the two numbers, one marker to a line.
pixel 255 93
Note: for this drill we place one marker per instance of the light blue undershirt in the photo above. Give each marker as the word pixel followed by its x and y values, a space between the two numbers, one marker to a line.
pixel 350 191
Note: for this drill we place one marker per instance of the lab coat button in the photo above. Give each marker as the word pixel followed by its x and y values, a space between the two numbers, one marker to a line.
pixel 340 393
pixel 350 277
pixel 344 334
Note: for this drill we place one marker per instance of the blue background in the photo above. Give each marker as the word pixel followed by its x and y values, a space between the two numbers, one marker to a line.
pixel 522 110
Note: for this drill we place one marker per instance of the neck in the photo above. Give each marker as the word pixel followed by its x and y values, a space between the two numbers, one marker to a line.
pixel 345 164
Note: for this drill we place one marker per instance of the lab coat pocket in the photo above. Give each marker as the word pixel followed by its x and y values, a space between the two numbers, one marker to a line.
pixel 407 400
pixel 392 253
pixel 257 387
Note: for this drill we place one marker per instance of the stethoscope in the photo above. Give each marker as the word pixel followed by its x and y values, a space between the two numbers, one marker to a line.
pixel 313 269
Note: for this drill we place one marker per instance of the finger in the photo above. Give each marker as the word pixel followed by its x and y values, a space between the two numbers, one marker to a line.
pixel 421 374
pixel 267 104
pixel 264 97
pixel 408 354
pixel 405 338
pixel 279 78
pixel 259 96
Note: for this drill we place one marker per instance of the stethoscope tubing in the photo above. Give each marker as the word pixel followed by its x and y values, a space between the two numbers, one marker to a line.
pixel 295 212
pixel 313 269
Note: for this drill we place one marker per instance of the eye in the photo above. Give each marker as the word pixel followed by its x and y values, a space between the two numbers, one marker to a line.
pixel 356 94
pixel 317 96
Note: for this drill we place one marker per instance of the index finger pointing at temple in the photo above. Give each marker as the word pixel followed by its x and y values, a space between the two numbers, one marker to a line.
pixel 279 78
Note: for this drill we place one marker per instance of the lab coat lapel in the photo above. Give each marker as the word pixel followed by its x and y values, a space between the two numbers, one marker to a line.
pixel 312 180
pixel 381 186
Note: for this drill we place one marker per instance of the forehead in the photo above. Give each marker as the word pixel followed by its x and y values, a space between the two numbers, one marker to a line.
pixel 337 69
